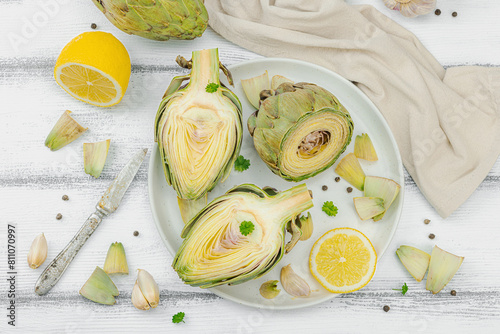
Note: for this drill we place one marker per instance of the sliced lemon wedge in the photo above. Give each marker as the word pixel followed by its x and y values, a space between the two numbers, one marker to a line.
pixel 95 68
pixel 343 260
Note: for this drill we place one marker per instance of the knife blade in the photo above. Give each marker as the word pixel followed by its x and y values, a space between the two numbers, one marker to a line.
pixel 108 203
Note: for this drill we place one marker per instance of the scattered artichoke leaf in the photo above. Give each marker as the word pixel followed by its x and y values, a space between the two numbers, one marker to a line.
pixel 253 86
pixel 94 157
pixel 368 207
pixel 350 170
pixel 116 261
pixel 269 289
pixel 363 148
pixel 278 80
pixel 100 288
pixel 64 132
pixel 442 267
pixel 414 260
pixel 190 207
pixel 384 188
pixel 305 223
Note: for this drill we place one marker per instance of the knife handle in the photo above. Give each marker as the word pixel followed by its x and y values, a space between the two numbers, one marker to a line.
pixel 56 268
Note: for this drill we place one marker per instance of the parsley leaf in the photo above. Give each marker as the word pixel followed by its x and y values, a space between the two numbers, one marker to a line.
pixel 246 227
pixel 212 87
pixel 179 317
pixel 330 209
pixel 404 289
pixel 241 164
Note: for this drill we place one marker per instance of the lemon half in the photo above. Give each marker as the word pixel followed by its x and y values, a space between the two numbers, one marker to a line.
pixel 343 260
pixel 95 68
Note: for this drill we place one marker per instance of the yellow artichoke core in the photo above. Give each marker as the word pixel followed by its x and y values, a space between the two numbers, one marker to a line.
pixel 218 248
pixel 199 138
pixel 314 143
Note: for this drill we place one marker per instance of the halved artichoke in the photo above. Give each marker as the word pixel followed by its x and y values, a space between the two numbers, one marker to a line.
pixel 157 19
pixel 198 131
pixel 300 130
pixel 215 252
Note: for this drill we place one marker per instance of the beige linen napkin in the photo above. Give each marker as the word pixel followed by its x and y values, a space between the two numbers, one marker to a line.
pixel 446 122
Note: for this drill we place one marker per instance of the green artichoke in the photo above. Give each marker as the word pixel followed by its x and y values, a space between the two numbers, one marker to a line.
pixel 160 20
pixel 300 130
pixel 216 250
pixel 198 128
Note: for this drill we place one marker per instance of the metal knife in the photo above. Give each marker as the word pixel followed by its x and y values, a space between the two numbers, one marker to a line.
pixel 107 205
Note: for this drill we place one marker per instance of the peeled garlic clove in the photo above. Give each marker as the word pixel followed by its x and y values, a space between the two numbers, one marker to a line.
pixel 116 261
pixel 386 189
pixel 293 284
pixel 148 287
pixel 350 170
pixel 269 289
pixel 363 148
pixel 253 86
pixel 100 288
pixel 368 207
pixel 94 157
pixel 278 80
pixel 64 132
pixel 38 252
pixel 138 298
pixel 306 225
pixel 442 267
pixel 411 8
pixel 415 261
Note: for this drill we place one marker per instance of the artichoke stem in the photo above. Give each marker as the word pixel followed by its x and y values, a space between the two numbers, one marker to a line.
pixel 205 68
pixel 293 201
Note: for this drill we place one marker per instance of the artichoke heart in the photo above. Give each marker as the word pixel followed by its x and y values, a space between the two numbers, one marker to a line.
pixel 300 130
pixel 198 131
pixel 215 252
pixel 159 20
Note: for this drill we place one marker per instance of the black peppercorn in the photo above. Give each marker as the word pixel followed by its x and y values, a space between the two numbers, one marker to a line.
pixel 427 221
pixel 337 179
pixel 454 14
pixel 431 236
pixel 58 216
pixel 349 189
pixel 136 233
pixel 386 308
pixel 65 198
pixel 93 26
pixel 453 293
pixel 324 188
pixel 438 12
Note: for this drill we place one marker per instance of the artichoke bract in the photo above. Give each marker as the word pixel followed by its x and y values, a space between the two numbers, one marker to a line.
pixel 214 250
pixel 198 130
pixel 300 130
pixel 159 20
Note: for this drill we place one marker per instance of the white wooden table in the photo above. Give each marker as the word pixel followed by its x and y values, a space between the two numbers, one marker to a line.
pixel 33 179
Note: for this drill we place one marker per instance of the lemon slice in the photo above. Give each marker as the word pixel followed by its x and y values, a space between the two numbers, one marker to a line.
pixel 95 68
pixel 343 260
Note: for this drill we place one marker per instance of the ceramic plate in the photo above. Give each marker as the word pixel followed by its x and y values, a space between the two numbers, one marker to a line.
pixel 366 118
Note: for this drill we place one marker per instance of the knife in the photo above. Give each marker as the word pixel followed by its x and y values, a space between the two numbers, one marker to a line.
pixel 107 205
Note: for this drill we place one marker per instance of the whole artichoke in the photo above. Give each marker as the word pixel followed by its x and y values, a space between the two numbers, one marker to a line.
pixel 199 130
pixel 216 249
pixel 300 130
pixel 160 20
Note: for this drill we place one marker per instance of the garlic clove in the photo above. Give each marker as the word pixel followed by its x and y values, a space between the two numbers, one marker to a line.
pixel 269 289
pixel 38 252
pixel 442 267
pixel 415 261
pixel 363 148
pixel 253 86
pixel 148 287
pixel 100 288
pixel 138 298
pixel 64 132
pixel 293 284
pixel 350 170
pixel 116 261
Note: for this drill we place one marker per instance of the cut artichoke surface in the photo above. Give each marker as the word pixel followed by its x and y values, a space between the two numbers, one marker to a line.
pixel 198 132
pixel 159 20
pixel 215 252
pixel 300 130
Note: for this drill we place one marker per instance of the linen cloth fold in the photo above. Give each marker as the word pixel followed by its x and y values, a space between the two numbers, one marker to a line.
pixel 446 122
